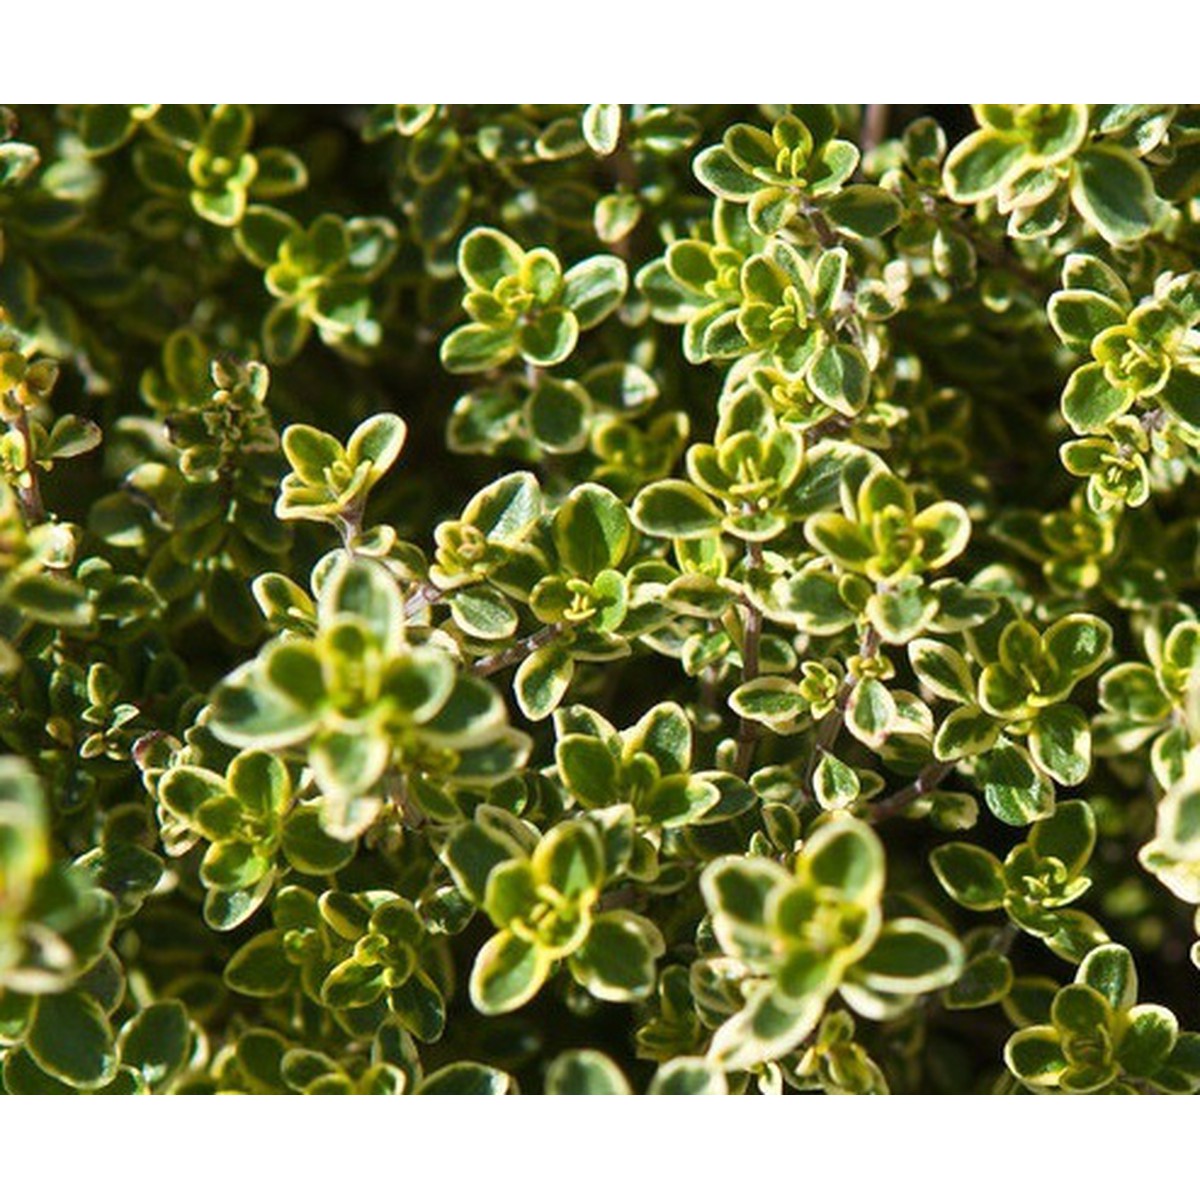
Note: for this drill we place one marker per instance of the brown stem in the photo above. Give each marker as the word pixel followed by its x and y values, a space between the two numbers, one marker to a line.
pixel 515 653
pixel 896 803
pixel 821 227
pixel 425 594
pixel 29 495
pixel 749 731
pixel 831 722
pixel 874 127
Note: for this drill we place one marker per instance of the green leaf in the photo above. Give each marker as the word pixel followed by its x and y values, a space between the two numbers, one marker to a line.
pixel 665 733
pixel 602 127
pixel 1131 690
pixel 589 770
pixel 262 232
pixel 595 288
pixel 1109 970
pixel 902 612
pixel 156 1042
pixel 309 848
pixel 486 256
pixel 764 1030
pixel 348 765
pixel 1078 316
pixel 1078 644
pixel 942 669
pixel 738 889
pixel 1148 1039
pixel 505 510
pixel 471 853
pixel 972 876
pixel 592 531
pixel 1181 396
pixel 105 127
pixel 245 713
pixel 717 171
pixel 483 612
pixel 585 1073
pixel 70 437
pixel 559 412
pixel 548 338
pixel 688 1077
pixel 1035 1055
pixel 1068 834
pixel 985 980
pixel 475 348
pixel 840 377
pixel 835 784
pixel 570 858
pixel 1012 787
pixel 18 161
pixel 678 800
pixel 542 680
pixel 1113 192
pixel 51 600
pixel 353 984
pixel 672 508
pixel 419 1007
pixel 1061 743
pixel 769 698
pixel 863 210
pixel 285 332
pixel 71 1039
pixel 812 600
pixel 980 164
pixel 466 1079
pixel 260 967
pixel 364 589
pixel 847 855
pixel 910 956
pixel 1080 1011
pixel 945 530
pixel 1089 401
pixel 508 972
pixel 870 712
pixel 378 440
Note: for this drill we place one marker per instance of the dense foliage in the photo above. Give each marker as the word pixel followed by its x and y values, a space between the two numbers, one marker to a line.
pixel 598 599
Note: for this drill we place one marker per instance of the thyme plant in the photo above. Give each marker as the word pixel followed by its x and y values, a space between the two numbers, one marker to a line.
pixel 599 598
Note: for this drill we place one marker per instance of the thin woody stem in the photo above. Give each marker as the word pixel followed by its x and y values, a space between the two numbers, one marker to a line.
pixel 896 803
pixel 831 723
pixel 29 495
pixel 874 127
pixel 515 653
pixel 425 594
pixel 749 731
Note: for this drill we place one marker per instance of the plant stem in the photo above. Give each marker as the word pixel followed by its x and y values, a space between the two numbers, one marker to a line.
pixel 831 723
pixel 425 594
pixel 897 802
pixel 515 653
pixel 749 731
pixel 29 495
pixel 874 127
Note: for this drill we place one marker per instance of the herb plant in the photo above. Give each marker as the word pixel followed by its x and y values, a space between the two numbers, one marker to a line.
pixel 604 599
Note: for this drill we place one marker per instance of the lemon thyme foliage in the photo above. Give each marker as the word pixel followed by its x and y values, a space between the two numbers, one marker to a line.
pixel 599 599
